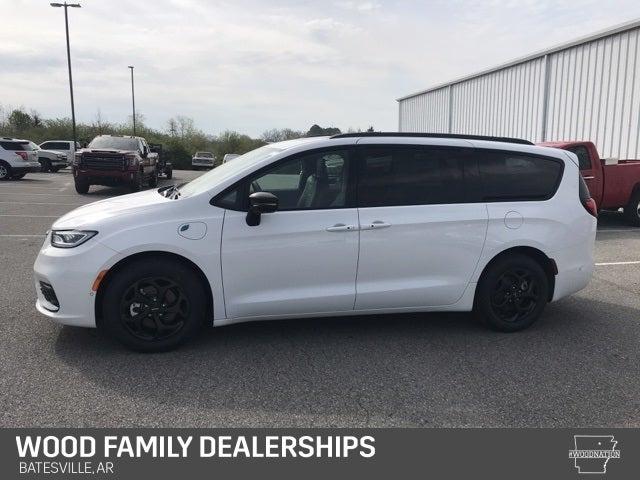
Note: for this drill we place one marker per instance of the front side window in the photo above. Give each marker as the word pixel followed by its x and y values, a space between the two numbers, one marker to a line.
pixel 410 175
pixel 318 180
pixel 583 156
pixel 514 176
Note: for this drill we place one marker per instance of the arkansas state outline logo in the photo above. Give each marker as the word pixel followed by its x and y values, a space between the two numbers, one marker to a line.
pixel 591 453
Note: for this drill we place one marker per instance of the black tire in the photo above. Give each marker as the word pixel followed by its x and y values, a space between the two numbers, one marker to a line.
pixel 136 183
pixel 135 308
pixel 55 169
pixel 18 176
pixel 45 164
pixel 153 179
pixel 82 186
pixel 512 293
pixel 632 210
pixel 170 173
pixel 5 171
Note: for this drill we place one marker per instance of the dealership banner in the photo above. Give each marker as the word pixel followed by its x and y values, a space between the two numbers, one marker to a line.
pixel 320 453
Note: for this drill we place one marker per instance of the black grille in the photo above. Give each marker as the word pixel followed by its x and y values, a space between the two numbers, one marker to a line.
pixel 104 162
pixel 49 294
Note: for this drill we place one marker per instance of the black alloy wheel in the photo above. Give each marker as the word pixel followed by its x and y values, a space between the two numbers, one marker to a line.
pixel 154 308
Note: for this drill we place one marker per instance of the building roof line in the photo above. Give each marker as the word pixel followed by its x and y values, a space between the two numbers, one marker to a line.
pixel 623 27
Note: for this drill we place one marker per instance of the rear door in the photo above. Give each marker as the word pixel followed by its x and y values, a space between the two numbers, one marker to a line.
pixel 420 239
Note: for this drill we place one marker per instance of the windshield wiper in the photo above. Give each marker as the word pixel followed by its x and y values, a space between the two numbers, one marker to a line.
pixel 170 191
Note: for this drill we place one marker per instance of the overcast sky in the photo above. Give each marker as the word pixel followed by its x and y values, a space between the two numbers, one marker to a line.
pixel 254 65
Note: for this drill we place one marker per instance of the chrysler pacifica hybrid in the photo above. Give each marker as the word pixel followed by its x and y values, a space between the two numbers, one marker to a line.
pixel 328 226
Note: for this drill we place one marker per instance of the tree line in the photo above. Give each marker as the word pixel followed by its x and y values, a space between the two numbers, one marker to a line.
pixel 180 139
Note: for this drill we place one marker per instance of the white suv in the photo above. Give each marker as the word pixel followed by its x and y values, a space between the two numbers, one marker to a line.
pixel 17 158
pixel 351 224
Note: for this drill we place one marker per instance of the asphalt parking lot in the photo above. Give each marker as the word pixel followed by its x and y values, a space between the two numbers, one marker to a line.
pixel 578 366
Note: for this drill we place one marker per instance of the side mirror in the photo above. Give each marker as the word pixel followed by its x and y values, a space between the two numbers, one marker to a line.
pixel 259 203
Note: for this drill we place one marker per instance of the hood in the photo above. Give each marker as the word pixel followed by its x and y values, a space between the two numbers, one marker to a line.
pixel 105 150
pixel 111 210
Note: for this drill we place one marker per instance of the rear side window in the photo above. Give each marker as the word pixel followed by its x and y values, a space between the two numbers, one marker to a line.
pixel 55 146
pixel 408 175
pixel 16 146
pixel 583 156
pixel 511 176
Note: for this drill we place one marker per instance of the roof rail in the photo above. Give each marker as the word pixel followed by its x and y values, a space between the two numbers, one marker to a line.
pixel 434 135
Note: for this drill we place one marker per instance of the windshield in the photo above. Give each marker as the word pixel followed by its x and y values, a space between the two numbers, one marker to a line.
pixel 204 154
pixel 210 179
pixel 115 143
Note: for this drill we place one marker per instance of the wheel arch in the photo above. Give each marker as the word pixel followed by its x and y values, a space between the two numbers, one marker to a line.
pixel 156 254
pixel 548 265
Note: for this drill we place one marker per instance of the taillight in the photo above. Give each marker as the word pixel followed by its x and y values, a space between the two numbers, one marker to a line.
pixel 591 207
pixel 22 154
pixel 585 197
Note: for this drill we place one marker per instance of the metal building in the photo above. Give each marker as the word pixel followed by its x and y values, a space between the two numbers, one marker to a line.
pixel 588 89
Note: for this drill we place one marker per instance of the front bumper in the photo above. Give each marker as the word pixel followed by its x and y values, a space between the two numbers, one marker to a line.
pixel 105 177
pixel 70 272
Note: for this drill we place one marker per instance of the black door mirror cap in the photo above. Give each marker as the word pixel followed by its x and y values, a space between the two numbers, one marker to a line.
pixel 259 203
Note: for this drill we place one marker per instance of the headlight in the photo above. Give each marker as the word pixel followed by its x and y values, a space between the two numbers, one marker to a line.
pixel 70 238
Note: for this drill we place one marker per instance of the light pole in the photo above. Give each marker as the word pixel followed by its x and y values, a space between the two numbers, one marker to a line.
pixel 133 100
pixel 66 25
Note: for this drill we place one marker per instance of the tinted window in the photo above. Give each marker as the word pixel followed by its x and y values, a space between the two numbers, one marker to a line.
pixel 314 181
pixel 401 175
pixel 16 146
pixel 583 156
pixel 55 146
pixel 514 176
pixel 116 143
pixel 204 154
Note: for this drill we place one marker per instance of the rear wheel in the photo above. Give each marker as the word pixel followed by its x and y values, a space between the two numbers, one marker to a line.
pixel 512 293
pixel 5 171
pixel 632 210
pixel 154 305
pixel 82 186
pixel 55 169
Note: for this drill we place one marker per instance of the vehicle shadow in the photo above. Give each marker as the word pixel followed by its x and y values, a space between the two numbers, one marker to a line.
pixel 388 370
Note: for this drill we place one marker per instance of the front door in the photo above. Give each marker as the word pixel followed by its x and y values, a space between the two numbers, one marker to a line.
pixel 420 241
pixel 301 259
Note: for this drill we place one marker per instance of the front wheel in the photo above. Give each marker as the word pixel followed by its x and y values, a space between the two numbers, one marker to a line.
pixel 45 165
pixel 153 179
pixel 169 173
pixel 82 186
pixel 512 293
pixel 153 305
pixel 136 183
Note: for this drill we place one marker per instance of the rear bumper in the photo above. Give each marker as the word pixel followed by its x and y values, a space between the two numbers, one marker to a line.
pixel 29 167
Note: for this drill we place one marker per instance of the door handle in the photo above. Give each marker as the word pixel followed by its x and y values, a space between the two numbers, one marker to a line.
pixel 341 227
pixel 589 178
pixel 376 225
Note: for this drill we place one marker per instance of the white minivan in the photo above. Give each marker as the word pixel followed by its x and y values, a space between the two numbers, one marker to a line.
pixel 363 223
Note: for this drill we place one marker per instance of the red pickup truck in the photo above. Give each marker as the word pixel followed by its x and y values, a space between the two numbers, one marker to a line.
pixel 612 185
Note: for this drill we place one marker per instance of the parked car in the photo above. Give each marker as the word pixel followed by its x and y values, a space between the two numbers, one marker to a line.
pixel 613 184
pixel 115 160
pixel 229 156
pixel 49 160
pixel 17 158
pixel 351 224
pixel 163 167
pixel 67 147
pixel 203 160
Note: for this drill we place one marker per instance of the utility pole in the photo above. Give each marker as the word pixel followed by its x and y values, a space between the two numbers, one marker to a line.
pixel 66 25
pixel 133 100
